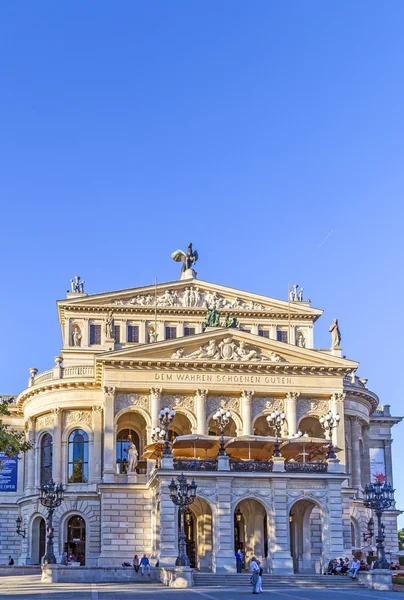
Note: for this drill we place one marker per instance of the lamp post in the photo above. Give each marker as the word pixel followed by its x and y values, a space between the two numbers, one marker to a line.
pixel 182 494
pixel 19 530
pixel 50 496
pixel 166 416
pixel 367 537
pixel 158 434
pixel 328 423
pixel 276 419
pixel 222 418
pixel 379 497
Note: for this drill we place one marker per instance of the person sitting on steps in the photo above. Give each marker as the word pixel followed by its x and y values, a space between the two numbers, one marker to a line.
pixel 145 564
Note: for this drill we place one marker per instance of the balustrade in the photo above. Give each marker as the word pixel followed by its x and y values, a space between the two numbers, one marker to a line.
pixel 195 464
pixel 305 467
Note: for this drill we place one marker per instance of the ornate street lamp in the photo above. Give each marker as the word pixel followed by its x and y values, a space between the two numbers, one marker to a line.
pixel 222 418
pixel 158 434
pixel 182 494
pixel 19 530
pixel 50 496
pixel 367 537
pixel 328 423
pixel 276 419
pixel 379 497
pixel 166 416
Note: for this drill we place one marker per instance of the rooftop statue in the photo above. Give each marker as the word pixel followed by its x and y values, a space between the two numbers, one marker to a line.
pixel 188 261
pixel 77 286
pixel 335 335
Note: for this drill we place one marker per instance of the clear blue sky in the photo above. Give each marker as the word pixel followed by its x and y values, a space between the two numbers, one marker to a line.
pixel 253 129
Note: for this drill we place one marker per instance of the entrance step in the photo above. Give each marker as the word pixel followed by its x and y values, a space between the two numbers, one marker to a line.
pixel 275 581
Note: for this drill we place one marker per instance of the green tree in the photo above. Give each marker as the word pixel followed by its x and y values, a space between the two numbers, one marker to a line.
pixel 11 442
pixel 401 539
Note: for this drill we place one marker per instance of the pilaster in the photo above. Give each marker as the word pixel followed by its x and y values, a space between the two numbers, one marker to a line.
pixel 168 526
pixel 335 525
pixel 282 562
pixel 180 329
pixel 96 476
pixel 223 542
pixel 388 461
pixel 57 445
pixel 246 398
pixel 356 458
pixel 200 401
pixel 109 435
pixel 30 426
pixel 142 332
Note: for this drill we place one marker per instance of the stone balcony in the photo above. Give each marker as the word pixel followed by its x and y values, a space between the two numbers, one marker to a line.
pixel 356 386
pixel 59 372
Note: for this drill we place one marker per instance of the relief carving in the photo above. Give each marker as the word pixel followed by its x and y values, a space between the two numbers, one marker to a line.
pixel 178 401
pixel 262 405
pixel 125 400
pixel 229 349
pixel 228 403
pixel 45 422
pixel 77 416
pixel 306 406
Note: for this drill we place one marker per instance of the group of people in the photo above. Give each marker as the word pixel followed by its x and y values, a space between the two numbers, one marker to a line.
pixel 143 564
pixel 255 568
pixel 343 566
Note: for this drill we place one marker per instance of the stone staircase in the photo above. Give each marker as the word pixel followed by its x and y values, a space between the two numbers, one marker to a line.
pixel 270 581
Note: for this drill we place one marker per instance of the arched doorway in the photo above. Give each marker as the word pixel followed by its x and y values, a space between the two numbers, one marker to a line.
pixel 38 540
pixel 76 539
pixel 131 425
pixel 199 535
pixel 311 426
pixel 306 534
pixel 180 425
pixel 261 427
pixel 251 530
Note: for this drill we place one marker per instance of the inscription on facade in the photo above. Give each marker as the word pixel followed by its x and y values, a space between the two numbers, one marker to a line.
pixel 224 378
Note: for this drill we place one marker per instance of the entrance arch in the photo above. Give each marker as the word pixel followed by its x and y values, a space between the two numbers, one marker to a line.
pixel 38 540
pixel 76 539
pixel 251 530
pixel 306 534
pixel 199 534
pixel 311 426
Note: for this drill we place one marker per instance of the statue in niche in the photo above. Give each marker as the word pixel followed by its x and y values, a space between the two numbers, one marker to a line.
pixel 77 286
pixel 109 325
pixel 212 318
pixel 132 457
pixel 188 260
pixel 335 335
pixel 301 340
pixel 153 335
pixel 76 336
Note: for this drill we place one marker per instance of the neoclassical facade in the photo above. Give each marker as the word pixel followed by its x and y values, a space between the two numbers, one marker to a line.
pixel 128 354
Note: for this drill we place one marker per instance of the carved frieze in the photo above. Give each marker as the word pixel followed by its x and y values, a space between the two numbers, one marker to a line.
pixel 192 297
pixel 228 403
pixel 312 485
pixel 261 405
pixel 306 406
pixel 228 349
pixel 178 401
pixel 265 494
pixel 77 417
pixel 313 494
pixel 123 401
pixel 45 422
pixel 210 493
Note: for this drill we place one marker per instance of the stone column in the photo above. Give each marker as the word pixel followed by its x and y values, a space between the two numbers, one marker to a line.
pixel 96 475
pixel 292 335
pixel 291 402
pixel 279 538
pixel 85 333
pixel 57 445
pixel 246 398
pixel 168 526
pixel 143 332
pixel 109 434
pixel 356 457
pixel 337 406
pixel 223 541
pixel 200 401
pixel 199 327
pixel 254 328
pixel 272 332
pixel 180 329
pixel 161 330
pixel 388 461
pixel 30 486
pixel 334 531
pixel 155 396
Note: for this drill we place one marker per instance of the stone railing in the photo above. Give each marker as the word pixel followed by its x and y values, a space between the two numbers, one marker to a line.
pixel 45 376
pixel 251 466
pixel 63 373
pixel 305 467
pixel 195 464
pixel 382 411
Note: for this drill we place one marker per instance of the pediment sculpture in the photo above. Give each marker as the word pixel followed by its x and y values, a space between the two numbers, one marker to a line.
pixel 192 297
pixel 228 349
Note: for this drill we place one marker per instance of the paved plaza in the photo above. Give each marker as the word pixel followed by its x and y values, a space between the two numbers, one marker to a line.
pixel 31 588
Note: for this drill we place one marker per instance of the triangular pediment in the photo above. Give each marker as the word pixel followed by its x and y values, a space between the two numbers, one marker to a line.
pixel 191 294
pixel 228 346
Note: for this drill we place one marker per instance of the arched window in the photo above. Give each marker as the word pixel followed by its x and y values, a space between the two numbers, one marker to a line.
pixel 76 539
pixel 78 457
pixel 123 440
pixel 46 458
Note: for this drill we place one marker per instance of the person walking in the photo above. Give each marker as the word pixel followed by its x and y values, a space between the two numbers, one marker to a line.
pixel 239 561
pixel 254 568
pixel 145 564
pixel 259 584
pixel 136 563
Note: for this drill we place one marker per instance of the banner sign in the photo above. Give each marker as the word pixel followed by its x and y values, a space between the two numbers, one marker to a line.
pixel 377 465
pixel 8 473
